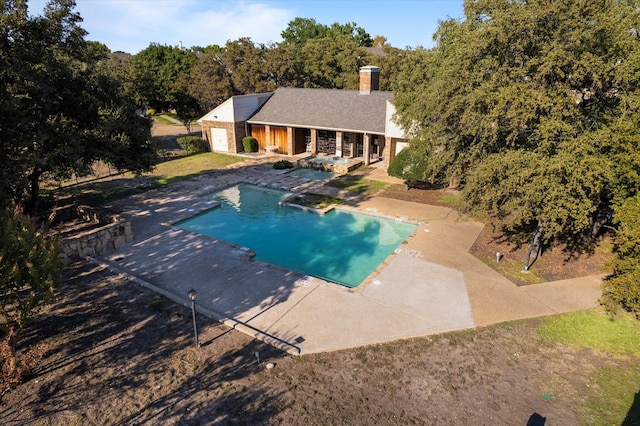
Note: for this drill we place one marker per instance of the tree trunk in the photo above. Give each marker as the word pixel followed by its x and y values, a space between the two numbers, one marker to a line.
pixel 535 246
pixel 34 180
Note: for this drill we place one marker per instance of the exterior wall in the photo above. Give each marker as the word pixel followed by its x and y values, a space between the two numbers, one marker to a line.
pixel 392 147
pixel 259 132
pixel 241 129
pixel 279 136
pixel 391 129
pixel 231 134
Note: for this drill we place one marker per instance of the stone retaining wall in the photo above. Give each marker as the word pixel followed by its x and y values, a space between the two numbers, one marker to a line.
pixel 114 233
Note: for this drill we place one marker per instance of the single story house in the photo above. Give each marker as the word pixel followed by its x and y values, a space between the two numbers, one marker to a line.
pixel 291 121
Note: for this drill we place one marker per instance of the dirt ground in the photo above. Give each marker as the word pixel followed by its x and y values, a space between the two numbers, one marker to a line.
pixel 120 354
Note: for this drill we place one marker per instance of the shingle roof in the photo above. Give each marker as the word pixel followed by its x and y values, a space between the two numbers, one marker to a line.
pixel 345 110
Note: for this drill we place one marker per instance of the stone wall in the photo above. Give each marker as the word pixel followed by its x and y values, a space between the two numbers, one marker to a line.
pixel 113 233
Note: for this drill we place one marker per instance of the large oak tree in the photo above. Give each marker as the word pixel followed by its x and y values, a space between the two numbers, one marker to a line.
pixel 531 105
pixel 61 111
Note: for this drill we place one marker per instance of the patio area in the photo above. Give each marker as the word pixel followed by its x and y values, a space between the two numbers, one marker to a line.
pixel 431 284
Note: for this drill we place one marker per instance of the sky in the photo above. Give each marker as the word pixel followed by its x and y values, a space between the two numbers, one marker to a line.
pixel 131 25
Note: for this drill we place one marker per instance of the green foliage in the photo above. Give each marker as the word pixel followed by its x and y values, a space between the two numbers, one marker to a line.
pixel 192 144
pixel 157 69
pixel 357 184
pixel 282 164
pixel 314 201
pixel 622 287
pixel 405 165
pixel 594 329
pixel 250 144
pixel 30 268
pixel 63 104
pixel 151 112
pixel 532 106
pixel 301 30
pixel 615 384
pixel 332 62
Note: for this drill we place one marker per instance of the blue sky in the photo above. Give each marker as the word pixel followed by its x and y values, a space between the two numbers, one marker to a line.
pixel 130 25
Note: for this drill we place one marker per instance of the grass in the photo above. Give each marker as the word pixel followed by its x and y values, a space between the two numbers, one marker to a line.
pixel 357 184
pixel 315 201
pixel 186 167
pixel 614 396
pixel 512 269
pixel 596 330
pixel 164 120
pixel 99 192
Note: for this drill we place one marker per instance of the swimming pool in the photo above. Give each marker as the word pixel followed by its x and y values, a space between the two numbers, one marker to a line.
pixel 340 247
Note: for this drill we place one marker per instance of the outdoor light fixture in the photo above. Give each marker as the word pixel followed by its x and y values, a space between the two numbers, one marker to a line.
pixel 193 295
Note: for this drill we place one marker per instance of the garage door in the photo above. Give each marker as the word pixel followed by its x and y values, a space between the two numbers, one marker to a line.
pixel 219 138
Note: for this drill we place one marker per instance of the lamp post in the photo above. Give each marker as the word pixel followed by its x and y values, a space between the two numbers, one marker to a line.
pixel 192 295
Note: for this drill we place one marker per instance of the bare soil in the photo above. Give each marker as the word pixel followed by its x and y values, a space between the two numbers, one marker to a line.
pixel 121 354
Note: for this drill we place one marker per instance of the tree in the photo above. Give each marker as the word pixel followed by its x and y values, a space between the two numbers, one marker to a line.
pixel 332 63
pixel 61 111
pixel 207 81
pixel 622 287
pixel 301 30
pixel 158 67
pixel 529 106
pixel 30 268
pixel 245 65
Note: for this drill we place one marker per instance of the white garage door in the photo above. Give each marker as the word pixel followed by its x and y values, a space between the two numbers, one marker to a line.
pixel 219 138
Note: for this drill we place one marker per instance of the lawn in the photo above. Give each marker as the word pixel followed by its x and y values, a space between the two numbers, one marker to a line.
pixel 100 191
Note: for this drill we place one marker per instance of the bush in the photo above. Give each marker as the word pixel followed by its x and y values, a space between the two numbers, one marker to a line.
pixel 192 144
pixel 404 166
pixel 283 164
pixel 151 112
pixel 250 144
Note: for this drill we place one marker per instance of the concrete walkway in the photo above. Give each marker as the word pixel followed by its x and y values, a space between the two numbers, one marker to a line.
pixel 430 285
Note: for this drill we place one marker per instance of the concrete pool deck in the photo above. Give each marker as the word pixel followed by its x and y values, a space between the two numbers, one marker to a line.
pixel 432 283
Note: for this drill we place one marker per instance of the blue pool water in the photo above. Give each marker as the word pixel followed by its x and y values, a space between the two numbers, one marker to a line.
pixel 340 246
pixel 312 174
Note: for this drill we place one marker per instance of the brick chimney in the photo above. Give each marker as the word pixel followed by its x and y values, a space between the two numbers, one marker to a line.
pixel 369 79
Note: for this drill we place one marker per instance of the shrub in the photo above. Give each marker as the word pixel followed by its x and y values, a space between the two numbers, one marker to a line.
pixel 151 112
pixel 250 144
pixel 283 164
pixel 192 144
pixel 405 166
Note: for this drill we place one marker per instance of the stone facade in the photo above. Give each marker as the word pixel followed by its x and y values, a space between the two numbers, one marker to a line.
pixel 113 233
pixel 235 133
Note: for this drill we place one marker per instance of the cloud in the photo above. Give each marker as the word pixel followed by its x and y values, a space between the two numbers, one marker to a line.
pixel 131 25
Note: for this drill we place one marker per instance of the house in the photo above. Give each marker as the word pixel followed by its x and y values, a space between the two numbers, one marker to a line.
pixel 291 121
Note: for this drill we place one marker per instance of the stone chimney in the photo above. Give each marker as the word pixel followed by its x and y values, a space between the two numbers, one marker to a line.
pixel 369 79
